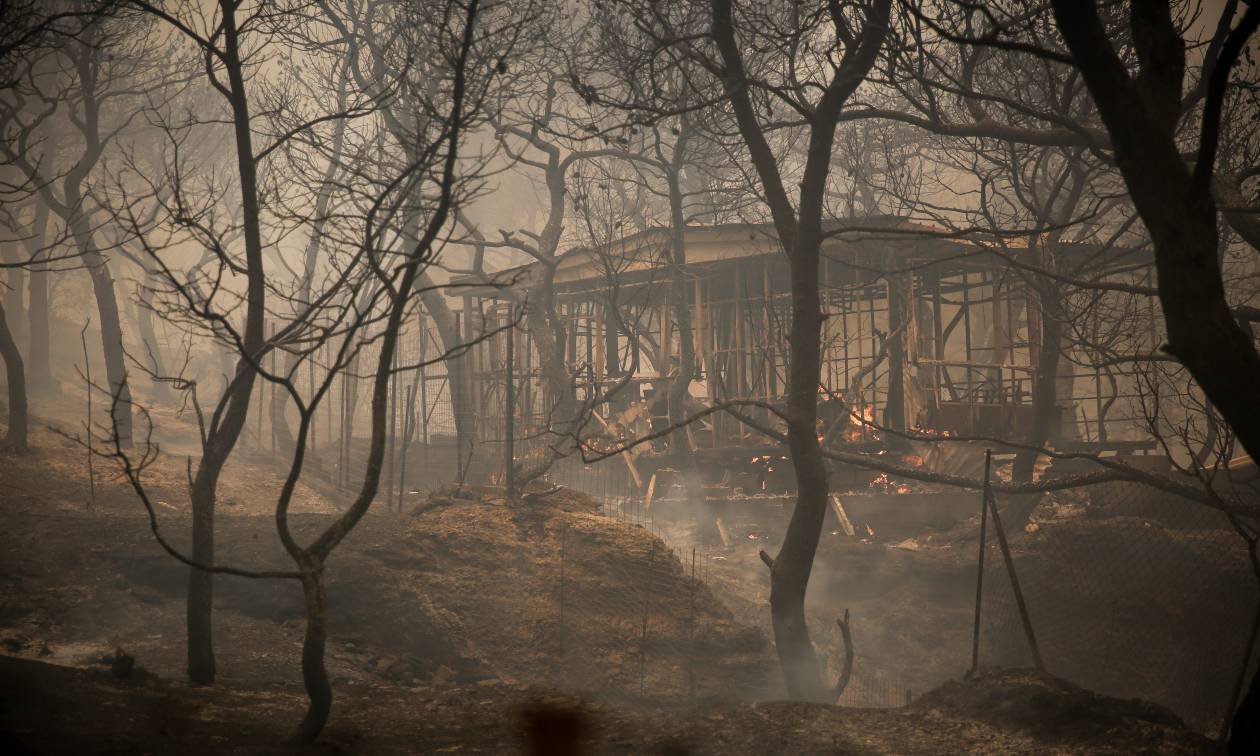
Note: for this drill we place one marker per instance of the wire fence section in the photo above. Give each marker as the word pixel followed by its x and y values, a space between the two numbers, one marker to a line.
pixel 636 616
pixel 1125 591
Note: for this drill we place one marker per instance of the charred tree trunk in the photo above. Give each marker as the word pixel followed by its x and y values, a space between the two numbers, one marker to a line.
pixel 1045 392
pixel 790 571
pixel 549 335
pixel 152 350
pixel 221 439
pixel 457 376
pixel 111 334
pixel 15 374
pixel 684 455
pixel 38 362
pixel 314 675
pixel 1141 114
pixel 13 299
pixel 800 231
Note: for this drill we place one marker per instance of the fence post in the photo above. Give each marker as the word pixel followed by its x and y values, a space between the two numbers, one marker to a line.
pixel 271 407
pixel 563 531
pixel 509 410
pixel 647 587
pixel 691 628
pixel 1019 594
pixel 984 521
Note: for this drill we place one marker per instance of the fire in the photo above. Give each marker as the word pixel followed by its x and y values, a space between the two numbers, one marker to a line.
pixel 913 460
pixel 880 480
pixel 902 488
pixel 870 531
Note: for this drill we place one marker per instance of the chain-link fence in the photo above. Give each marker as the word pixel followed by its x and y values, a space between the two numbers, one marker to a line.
pixel 1125 591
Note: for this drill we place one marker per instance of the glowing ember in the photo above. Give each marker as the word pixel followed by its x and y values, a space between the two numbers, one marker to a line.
pixel 870 531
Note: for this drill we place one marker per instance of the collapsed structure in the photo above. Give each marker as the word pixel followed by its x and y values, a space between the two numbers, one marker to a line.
pixel 922 332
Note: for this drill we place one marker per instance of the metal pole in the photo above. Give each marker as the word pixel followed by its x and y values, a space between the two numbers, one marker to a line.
pixel 647 585
pixel 691 628
pixel 392 444
pixel 310 371
pixel 563 532
pixel 509 412
pixel 1019 594
pixel 271 415
pixel 984 521
pixel 409 426
pixel 456 409
pixel 87 369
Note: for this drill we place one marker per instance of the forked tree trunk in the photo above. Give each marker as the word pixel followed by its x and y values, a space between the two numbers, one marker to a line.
pixel 222 439
pixel 1177 206
pixel 800 231
pixel 15 374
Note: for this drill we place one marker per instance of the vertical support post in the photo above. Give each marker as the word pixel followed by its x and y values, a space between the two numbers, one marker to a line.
pixel 87 370
pixel 310 374
pixel 1019 594
pixel 459 437
pixel 262 401
pixel 392 439
pixel 984 521
pixel 509 409
pixel 691 628
pixel 647 585
pixel 328 412
pixel 272 350
pixel 563 533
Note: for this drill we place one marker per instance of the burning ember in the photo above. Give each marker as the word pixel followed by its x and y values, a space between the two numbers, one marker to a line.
pixel 883 481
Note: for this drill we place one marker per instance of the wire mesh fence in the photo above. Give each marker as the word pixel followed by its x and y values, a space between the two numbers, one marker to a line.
pixel 635 616
pixel 1127 592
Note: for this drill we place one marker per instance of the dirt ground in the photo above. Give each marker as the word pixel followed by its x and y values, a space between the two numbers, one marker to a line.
pixel 446 631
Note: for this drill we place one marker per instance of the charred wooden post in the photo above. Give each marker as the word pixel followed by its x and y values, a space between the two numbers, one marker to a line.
pixel 984 521
pixel 509 411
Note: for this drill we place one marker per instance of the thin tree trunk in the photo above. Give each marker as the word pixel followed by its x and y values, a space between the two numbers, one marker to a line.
pixel 314 675
pixel 222 439
pixel 800 232
pixel 1045 393
pixel 15 374
pixel 685 456
pixel 38 362
pixel 111 340
pixel 13 299
pixel 789 574
pixel 152 350
pixel 444 321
